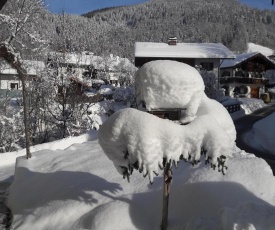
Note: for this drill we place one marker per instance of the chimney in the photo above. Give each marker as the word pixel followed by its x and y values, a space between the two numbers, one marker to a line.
pixel 172 41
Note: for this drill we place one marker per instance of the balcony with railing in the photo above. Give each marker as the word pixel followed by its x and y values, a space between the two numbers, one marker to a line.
pixel 244 77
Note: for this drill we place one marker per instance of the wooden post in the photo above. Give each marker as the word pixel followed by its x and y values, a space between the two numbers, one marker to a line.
pixel 167 175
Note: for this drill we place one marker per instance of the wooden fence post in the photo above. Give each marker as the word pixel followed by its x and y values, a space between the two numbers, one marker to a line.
pixel 167 175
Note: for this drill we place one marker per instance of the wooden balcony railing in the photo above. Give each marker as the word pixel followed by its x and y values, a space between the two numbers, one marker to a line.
pixel 244 80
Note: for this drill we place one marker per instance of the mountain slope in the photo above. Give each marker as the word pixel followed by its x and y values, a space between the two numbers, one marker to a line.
pixel 115 30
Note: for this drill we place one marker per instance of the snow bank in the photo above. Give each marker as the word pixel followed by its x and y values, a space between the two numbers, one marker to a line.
pixel 264 134
pixel 248 106
pixel 10 157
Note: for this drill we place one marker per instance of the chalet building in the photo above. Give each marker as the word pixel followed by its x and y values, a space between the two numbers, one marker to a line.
pixel 9 79
pixel 246 75
pixel 205 56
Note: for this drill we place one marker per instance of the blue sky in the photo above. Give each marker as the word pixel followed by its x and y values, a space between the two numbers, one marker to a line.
pixel 84 6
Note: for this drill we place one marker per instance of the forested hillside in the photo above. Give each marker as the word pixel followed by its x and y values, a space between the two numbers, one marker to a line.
pixel 225 21
pixel 115 30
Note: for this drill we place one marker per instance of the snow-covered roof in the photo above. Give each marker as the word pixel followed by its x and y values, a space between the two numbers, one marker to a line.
pixel 183 50
pixel 251 47
pixel 32 67
pixel 239 59
pixel 88 58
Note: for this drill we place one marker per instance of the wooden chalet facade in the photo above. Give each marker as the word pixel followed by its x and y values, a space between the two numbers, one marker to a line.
pixel 245 76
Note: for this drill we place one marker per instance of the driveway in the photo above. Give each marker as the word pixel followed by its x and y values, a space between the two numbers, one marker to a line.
pixel 245 124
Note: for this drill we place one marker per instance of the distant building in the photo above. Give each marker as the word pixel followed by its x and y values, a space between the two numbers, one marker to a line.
pixel 246 75
pixel 204 56
pixel 9 78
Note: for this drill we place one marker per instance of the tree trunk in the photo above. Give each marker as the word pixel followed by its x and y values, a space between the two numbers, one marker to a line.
pixel 167 175
pixel 26 118
pixel 13 58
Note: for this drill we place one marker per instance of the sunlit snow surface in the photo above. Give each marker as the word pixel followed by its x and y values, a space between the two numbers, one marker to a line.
pixel 252 47
pixel 78 188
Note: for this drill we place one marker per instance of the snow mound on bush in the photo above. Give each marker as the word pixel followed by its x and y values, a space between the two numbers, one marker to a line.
pixel 169 84
pixel 135 139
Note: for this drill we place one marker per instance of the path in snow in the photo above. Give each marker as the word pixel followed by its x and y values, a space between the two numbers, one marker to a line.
pixel 245 124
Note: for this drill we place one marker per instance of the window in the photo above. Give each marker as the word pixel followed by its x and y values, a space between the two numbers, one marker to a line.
pixel 14 85
pixel 208 66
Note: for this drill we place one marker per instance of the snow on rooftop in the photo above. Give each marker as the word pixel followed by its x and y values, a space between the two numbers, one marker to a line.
pixel 88 58
pixel 251 47
pixel 32 67
pixel 182 50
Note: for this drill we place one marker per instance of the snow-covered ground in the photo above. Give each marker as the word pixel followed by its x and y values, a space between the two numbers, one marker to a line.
pixel 77 187
pixel 262 135
pixel 72 184
pixel 248 106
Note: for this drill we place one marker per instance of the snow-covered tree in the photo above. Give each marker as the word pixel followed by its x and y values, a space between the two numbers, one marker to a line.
pixel 18 18
pixel 138 140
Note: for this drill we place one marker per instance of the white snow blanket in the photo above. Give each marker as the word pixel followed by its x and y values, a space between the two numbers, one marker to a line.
pixel 78 188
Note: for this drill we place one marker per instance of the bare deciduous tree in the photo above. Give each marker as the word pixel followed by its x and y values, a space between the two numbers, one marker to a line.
pixel 18 18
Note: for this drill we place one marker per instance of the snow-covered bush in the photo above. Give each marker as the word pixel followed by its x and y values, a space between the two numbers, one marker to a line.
pixel 169 84
pixel 11 133
pixel 135 139
pixel 125 94
pixel 98 113
pixel 210 79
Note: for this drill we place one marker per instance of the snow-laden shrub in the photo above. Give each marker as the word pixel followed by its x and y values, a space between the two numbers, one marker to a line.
pixel 134 139
pixel 125 94
pixel 98 113
pixel 210 79
pixel 11 133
